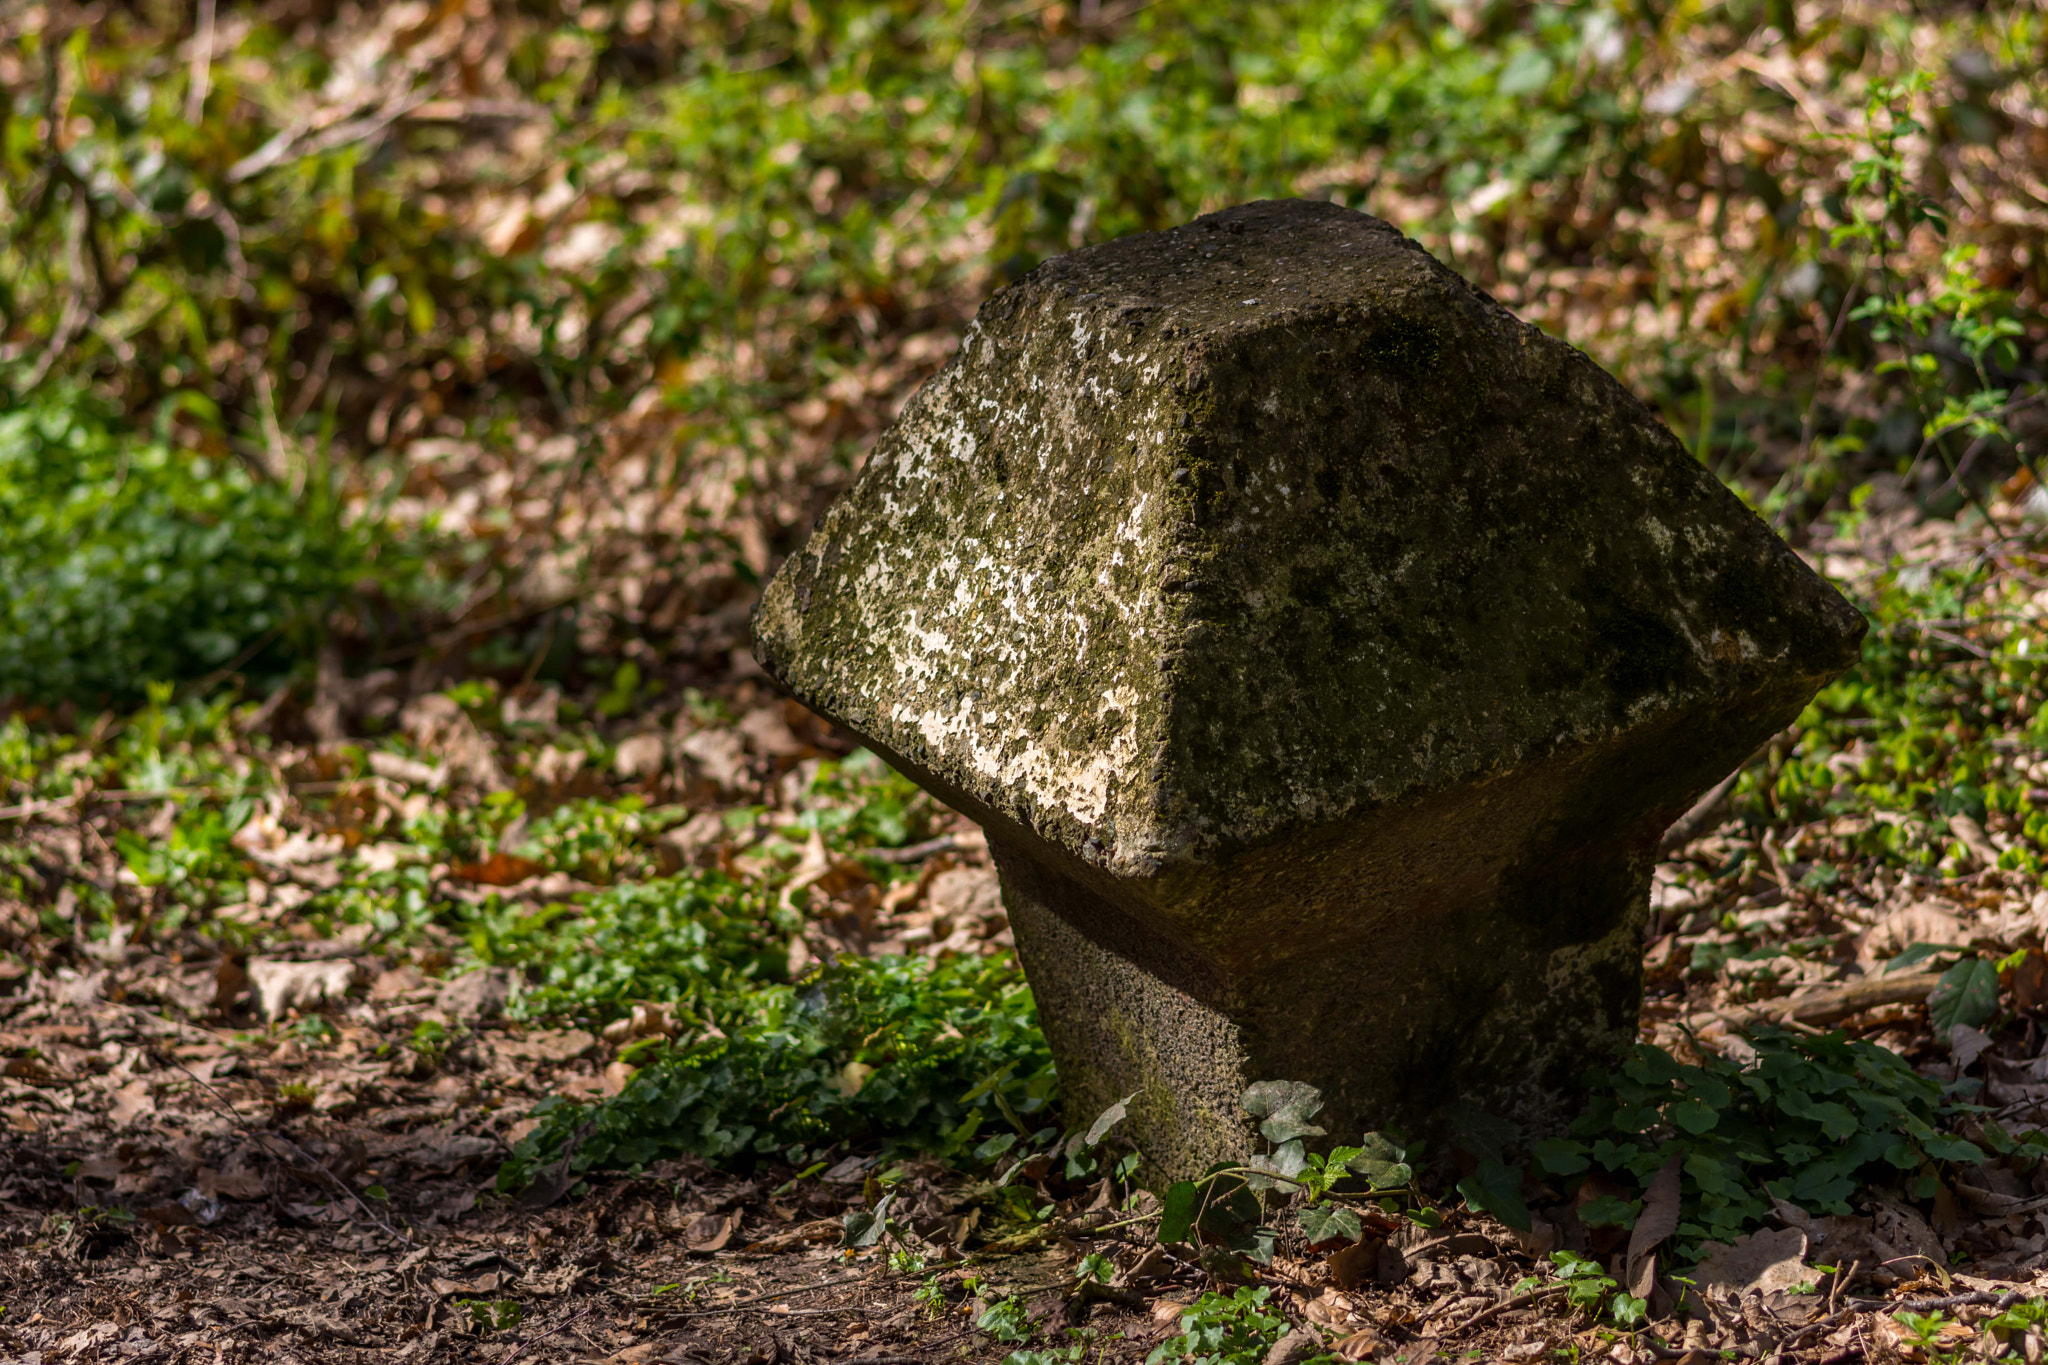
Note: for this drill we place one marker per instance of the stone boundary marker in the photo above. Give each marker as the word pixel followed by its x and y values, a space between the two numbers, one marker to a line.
pixel 1324 650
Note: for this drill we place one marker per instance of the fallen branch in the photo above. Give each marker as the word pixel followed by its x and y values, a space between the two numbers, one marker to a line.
pixel 1694 822
pixel 1486 1315
pixel 737 1304
pixel 917 853
pixel 1824 1005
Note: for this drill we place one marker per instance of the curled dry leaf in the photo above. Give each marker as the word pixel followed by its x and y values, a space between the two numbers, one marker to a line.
pixel 285 986
pixel 1657 1221
pixel 709 1232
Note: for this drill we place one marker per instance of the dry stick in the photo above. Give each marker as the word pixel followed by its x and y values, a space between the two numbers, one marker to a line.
pixel 1975 1298
pixel 1829 1004
pixel 202 65
pixel 1693 823
pixel 915 853
pixel 28 808
pixel 737 1304
pixel 558 1327
pixel 1488 1314
pixel 1813 402
pixel 75 312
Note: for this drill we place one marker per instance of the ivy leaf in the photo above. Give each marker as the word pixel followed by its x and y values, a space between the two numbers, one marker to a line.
pixel 1561 1156
pixel 1177 1211
pixel 1380 1162
pixel 1608 1211
pixel 1287 1161
pixel 1943 1147
pixel 1693 1115
pixel 1966 994
pixel 1330 1223
pixel 864 1227
pixel 1913 956
pixel 1496 1188
pixel 1286 1107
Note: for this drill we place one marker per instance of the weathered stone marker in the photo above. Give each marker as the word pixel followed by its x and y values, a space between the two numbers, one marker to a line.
pixel 1324 650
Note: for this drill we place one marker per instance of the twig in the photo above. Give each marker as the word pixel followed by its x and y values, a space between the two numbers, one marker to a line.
pixel 1973 1298
pixel 1829 1004
pixel 1690 825
pixel 75 312
pixel 1813 401
pixel 915 853
pixel 737 1304
pixel 202 65
pixel 558 1327
pixel 287 146
pixel 1519 1300
pixel 28 808
pixel 1976 1297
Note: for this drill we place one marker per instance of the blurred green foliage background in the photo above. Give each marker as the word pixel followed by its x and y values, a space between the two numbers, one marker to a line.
pixel 456 279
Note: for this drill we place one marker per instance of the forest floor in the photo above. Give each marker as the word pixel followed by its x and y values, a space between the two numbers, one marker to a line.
pixel 289 1151
pixel 369 1013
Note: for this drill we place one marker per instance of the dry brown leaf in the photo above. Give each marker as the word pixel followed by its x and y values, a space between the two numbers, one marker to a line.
pixel 243 1184
pixel 1363 1344
pixel 500 869
pixel 1926 921
pixel 810 1234
pixel 1357 1265
pixel 768 734
pixel 488 1283
pixel 709 1232
pixel 719 754
pixel 284 986
pixel 1658 1220
pixel 548 1045
pixel 2028 982
pixel 641 755
pixel 131 1102
pixel 1765 1262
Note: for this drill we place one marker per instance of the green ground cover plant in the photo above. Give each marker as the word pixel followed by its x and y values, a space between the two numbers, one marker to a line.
pixel 126 557
pixel 1812 1121
pixel 913 1055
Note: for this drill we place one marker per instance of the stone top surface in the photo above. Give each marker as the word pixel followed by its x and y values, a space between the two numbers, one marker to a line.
pixel 1209 536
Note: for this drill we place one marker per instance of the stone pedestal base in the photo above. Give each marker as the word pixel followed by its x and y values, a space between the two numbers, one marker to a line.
pixel 1473 1004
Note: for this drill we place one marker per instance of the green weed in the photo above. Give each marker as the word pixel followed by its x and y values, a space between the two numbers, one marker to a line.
pixel 124 558
pixel 917 1055
pixel 696 939
pixel 1812 1120
pixel 1237 1328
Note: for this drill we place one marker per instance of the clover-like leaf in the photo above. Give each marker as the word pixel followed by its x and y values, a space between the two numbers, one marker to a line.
pixel 1561 1156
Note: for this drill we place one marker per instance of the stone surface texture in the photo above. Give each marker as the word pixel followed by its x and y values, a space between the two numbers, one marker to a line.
pixel 1324 649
